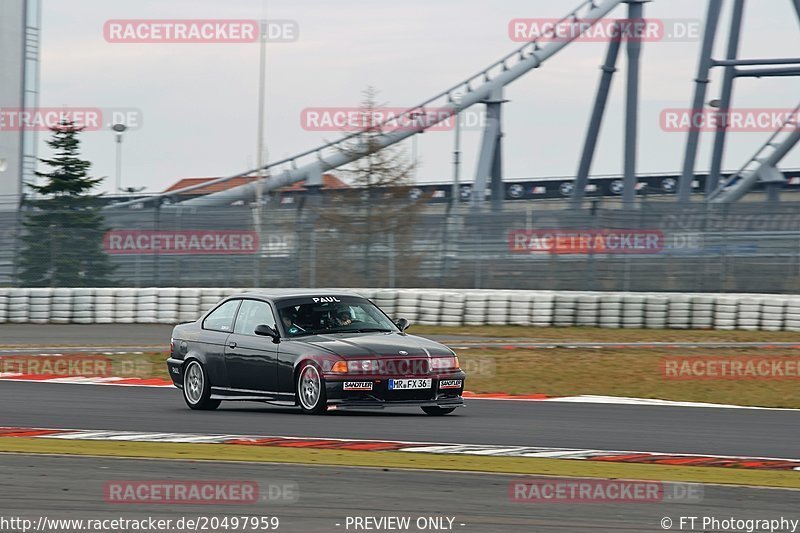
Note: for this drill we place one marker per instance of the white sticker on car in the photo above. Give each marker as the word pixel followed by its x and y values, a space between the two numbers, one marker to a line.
pixel 450 384
pixel 357 385
pixel 329 299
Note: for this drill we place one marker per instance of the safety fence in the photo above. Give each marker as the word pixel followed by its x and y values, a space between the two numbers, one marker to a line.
pixel 427 307
pixel 749 247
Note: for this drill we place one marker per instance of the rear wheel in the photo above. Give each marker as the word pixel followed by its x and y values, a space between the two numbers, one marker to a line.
pixel 438 411
pixel 311 393
pixel 197 388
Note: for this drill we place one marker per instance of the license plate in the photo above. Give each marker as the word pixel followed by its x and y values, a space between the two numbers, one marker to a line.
pixel 408 384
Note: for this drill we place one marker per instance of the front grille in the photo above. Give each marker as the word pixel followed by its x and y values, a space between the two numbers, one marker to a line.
pixel 404 367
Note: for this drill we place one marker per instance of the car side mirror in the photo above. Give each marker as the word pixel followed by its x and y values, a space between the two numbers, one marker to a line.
pixel 402 324
pixel 267 331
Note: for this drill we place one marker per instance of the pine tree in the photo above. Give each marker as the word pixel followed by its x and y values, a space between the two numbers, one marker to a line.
pixel 62 245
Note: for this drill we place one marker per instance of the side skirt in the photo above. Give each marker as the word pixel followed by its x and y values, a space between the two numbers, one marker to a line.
pixel 225 393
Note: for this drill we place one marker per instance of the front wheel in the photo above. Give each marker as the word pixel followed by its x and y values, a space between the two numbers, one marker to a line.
pixel 311 393
pixel 438 411
pixel 197 388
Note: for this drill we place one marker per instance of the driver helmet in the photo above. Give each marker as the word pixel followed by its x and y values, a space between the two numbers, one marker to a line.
pixel 342 312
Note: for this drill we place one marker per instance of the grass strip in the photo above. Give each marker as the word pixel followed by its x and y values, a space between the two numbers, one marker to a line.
pixel 590 334
pixel 635 373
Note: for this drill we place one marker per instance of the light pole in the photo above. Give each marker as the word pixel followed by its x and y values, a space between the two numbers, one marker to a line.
pixel 119 129
pixel 261 112
pixel 260 148
pixel 455 192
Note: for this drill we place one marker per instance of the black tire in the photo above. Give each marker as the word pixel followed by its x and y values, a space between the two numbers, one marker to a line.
pixel 197 387
pixel 438 411
pixel 311 395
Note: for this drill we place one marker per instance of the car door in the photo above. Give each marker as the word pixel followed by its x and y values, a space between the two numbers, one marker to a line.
pixel 252 360
pixel 217 327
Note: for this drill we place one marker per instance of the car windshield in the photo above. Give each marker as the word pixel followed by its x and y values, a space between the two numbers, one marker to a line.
pixel 331 314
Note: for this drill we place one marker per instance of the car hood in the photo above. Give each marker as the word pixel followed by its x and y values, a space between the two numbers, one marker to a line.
pixel 374 345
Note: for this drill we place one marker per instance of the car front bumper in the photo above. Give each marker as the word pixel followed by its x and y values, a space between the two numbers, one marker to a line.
pixel 444 403
pixel 378 394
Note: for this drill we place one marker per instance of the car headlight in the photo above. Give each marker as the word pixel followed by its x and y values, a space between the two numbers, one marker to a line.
pixel 365 366
pixel 445 363
pixel 359 366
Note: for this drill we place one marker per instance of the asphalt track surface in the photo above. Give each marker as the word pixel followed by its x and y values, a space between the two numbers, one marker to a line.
pixel 73 488
pixel 737 432
pixel 85 335
pixel 48 338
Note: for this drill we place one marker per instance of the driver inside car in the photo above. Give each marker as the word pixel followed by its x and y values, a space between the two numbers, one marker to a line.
pixel 343 317
pixel 289 318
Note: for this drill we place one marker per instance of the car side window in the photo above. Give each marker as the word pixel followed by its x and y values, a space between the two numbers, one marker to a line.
pixel 221 319
pixel 251 314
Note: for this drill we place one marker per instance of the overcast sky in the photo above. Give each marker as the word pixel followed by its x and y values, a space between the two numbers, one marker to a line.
pixel 199 101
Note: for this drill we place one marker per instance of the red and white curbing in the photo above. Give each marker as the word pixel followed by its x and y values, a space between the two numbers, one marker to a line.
pixel 533 452
pixel 81 380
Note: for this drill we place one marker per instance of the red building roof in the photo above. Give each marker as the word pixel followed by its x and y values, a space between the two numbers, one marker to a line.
pixel 329 181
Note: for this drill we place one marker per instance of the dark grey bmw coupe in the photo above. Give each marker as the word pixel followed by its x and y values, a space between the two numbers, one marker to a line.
pixel 319 350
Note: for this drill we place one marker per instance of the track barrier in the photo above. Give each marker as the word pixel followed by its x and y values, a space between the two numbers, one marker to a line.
pixel 452 307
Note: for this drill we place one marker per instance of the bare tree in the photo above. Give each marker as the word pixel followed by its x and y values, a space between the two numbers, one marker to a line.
pixel 377 214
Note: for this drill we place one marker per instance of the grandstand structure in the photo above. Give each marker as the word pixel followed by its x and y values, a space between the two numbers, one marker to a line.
pixel 487 88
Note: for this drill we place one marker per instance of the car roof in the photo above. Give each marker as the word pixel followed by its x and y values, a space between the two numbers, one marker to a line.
pixel 286 294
